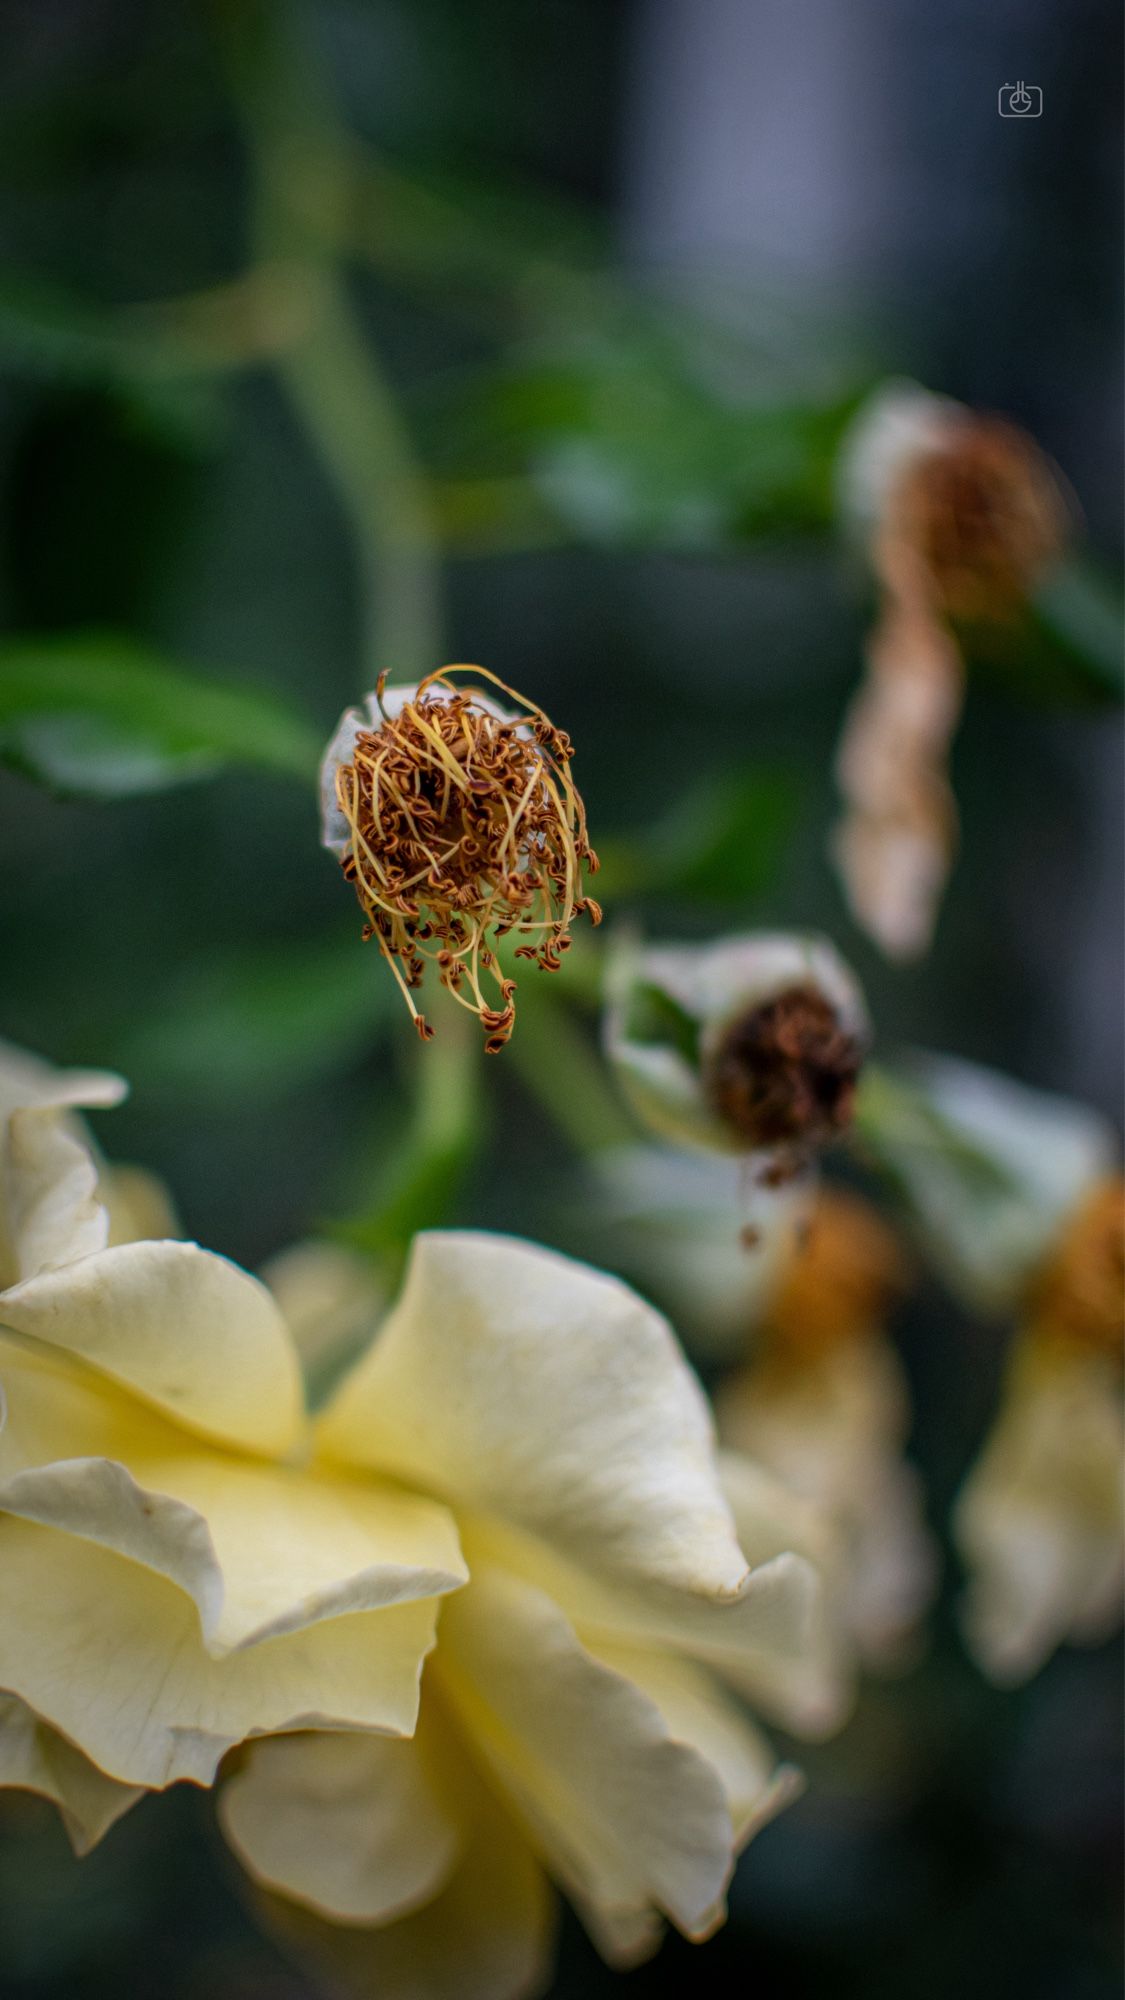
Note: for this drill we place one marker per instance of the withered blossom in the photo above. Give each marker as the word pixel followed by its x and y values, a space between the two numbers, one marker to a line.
pixel 960 514
pixel 458 823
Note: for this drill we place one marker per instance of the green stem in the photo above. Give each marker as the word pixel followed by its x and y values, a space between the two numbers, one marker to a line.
pixel 345 403
pixel 561 1071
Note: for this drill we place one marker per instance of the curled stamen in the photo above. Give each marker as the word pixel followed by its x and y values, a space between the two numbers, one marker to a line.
pixel 454 820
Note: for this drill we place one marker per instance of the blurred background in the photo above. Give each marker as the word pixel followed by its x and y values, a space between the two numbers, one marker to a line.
pixel 372 334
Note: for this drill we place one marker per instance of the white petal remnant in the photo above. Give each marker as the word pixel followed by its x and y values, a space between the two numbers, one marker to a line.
pixel 458 822
pixel 988 1169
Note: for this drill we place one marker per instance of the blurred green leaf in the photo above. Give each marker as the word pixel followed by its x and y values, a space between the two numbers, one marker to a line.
pixel 1082 613
pixel 421 1177
pixel 262 1025
pixel 722 842
pixel 97 716
pixel 642 436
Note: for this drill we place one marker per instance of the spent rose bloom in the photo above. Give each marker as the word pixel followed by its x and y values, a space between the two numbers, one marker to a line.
pixel 457 821
pixel 1017 1196
pixel 1041 1518
pixel 959 516
pixel 577 1717
pixel 172 1578
pixel 751 1047
pixel 823 1404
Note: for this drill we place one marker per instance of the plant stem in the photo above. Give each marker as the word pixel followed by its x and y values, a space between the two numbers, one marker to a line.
pixel 345 403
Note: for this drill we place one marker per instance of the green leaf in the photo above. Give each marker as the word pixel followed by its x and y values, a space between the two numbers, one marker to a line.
pixel 1082 613
pixel 722 842
pixel 98 716
pixel 264 1024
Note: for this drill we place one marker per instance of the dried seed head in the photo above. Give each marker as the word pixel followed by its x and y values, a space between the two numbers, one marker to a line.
pixel 455 822
pixel 840 1278
pixel 784 1073
pixel 1079 1296
pixel 985 514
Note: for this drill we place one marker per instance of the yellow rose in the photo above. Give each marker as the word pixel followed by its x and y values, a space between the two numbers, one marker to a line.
pixel 574 1718
pixel 172 1579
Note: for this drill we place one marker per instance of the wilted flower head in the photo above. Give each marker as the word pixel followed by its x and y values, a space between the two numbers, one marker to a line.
pixel 967 500
pixel 750 1046
pixel 823 1404
pixel 457 823
pixel 959 515
pixel 1040 1520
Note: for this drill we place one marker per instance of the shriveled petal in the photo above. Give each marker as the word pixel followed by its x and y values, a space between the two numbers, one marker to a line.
pixel 624 1814
pixel 35 1758
pixel 110 1653
pixel 353 1826
pixel 486 1934
pixel 1040 1519
pixel 261 1549
pixel 521 1383
pixel 50 1214
pixel 190 1332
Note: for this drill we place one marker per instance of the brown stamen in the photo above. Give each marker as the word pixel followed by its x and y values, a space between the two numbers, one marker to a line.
pixel 463 823
pixel 785 1073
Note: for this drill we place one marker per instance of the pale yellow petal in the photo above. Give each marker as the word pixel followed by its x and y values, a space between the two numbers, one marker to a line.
pixel 186 1329
pixel 138 1205
pixel 773 1641
pixel 518 1382
pixel 35 1758
pixel 697 1711
pixel 27 1080
pixel 486 1935
pixel 48 1202
pixel 353 1826
pixel 262 1549
pixel 623 1814
pixel 111 1654
pixel 330 1297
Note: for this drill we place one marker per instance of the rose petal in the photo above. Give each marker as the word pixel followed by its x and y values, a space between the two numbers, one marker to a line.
pixel 516 1381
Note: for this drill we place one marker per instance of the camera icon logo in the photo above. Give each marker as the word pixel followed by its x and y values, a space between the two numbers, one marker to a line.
pixel 1020 100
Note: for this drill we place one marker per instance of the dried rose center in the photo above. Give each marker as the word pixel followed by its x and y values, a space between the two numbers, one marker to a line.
pixel 786 1072
pixel 464 825
pixel 986 515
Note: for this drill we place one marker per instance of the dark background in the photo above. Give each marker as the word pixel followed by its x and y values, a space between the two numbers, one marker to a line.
pixel 696 209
